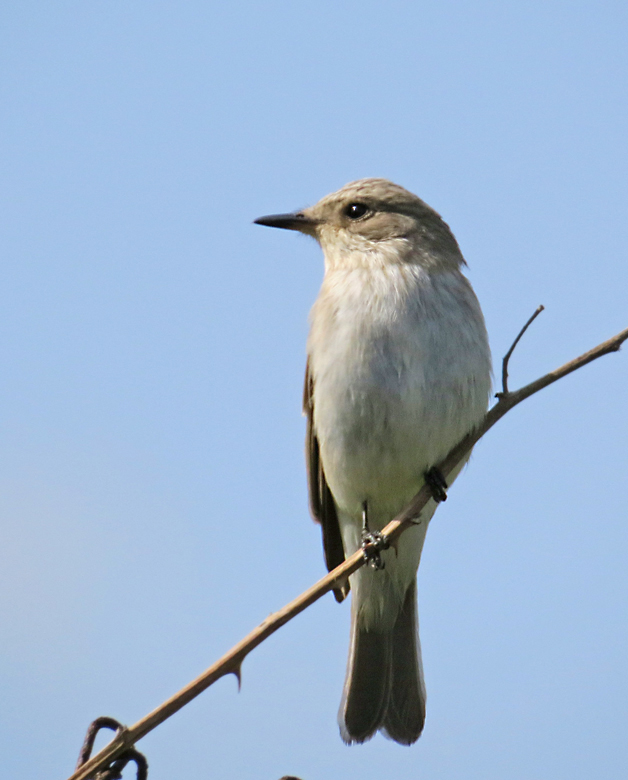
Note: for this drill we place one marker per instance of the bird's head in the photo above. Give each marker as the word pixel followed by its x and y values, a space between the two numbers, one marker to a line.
pixel 373 221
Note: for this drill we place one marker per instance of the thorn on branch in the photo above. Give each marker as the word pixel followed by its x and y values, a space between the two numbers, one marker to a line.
pixel 116 767
pixel 238 674
pixel 508 354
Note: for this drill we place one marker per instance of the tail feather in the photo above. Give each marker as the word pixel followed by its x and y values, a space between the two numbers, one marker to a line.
pixel 384 685
pixel 405 714
pixel 367 684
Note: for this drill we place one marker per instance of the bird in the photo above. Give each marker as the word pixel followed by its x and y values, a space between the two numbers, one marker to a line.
pixel 398 371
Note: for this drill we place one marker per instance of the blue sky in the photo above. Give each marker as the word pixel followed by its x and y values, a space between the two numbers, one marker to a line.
pixel 152 490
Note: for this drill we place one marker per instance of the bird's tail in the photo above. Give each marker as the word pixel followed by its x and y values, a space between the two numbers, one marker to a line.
pixel 384 688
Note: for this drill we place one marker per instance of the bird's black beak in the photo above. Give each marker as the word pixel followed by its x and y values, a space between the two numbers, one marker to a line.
pixel 296 221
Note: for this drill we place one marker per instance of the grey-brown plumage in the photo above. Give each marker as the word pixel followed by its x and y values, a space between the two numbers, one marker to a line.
pixel 384 683
pixel 398 372
pixel 322 504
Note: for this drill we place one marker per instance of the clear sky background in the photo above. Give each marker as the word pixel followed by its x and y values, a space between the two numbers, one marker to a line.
pixel 152 487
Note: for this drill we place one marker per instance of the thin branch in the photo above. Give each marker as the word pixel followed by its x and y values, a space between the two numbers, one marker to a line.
pixel 113 771
pixel 231 662
pixel 92 733
pixel 512 349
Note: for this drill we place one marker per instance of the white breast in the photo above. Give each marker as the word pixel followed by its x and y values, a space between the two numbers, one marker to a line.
pixel 401 369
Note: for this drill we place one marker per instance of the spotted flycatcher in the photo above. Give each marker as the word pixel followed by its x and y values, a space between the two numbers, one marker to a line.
pixel 398 371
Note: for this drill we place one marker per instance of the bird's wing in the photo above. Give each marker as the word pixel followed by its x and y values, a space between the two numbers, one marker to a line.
pixel 322 504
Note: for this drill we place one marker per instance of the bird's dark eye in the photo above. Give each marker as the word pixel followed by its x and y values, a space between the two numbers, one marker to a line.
pixel 356 210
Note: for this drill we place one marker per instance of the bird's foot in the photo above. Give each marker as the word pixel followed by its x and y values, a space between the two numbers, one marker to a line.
pixel 373 543
pixel 437 484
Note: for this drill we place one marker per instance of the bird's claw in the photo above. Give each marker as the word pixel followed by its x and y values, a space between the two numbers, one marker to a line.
pixel 437 484
pixel 373 544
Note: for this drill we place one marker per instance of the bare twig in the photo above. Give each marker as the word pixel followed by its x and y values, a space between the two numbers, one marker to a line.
pixel 113 770
pixel 92 733
pixel 506 359
pixel 231 662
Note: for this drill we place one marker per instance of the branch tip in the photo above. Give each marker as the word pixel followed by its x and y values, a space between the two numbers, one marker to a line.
pixel 508 354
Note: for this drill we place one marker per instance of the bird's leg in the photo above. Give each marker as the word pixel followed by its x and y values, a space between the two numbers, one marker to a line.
pixel 437 484
pixel 365 518
pixel 372 542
